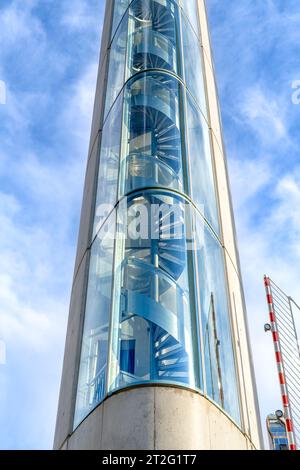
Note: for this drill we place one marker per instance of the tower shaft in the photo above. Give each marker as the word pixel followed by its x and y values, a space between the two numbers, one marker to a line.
pixel 157 353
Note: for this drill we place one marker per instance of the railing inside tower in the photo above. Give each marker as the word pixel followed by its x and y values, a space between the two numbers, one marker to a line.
pixel 153 301
pixel 283 328
pixel 154 41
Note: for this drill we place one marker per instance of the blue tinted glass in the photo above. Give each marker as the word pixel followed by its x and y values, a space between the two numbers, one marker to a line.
pixel 153 309
pixel 190 7
pixel 217 340
pixel 93 361
pixel 202 177
pixel 116 71
pixel 154 36
pixel 193 72
pixel 152 138
pixel 155 155
pixel 109 165
pixel 120 7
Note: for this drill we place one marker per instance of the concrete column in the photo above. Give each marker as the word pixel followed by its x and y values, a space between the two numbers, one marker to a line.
pixel 158 418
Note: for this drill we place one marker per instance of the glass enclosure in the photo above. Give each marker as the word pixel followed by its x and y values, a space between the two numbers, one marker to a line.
pixel 157 307
pixel 156 35
pixel 219 361
pixel 93 363
pixel 202 188
pixel 107 187
pixel 152 154
pixel 154 335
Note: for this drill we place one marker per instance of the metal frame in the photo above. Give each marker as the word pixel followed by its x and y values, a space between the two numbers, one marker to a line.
pixel 287 357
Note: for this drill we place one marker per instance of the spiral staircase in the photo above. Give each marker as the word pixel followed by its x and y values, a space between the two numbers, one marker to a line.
pixel 154 150
pixel 153 290
pixel 154 37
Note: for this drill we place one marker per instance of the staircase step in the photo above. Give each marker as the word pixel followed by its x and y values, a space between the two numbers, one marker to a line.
pixel 174 366
pixel 166 342
pixel 171 354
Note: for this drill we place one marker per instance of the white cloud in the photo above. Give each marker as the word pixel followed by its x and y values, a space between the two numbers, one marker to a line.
pixel 257 174
pixel 265 114
pixel 25 317
pixel 288 194
pixel 79 15
pixel 18 25
pixel 268 234
pixel 78 113
pixel 43 149
pixel 33 257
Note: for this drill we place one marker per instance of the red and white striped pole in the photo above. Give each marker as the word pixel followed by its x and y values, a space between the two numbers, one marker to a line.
pixel 280 367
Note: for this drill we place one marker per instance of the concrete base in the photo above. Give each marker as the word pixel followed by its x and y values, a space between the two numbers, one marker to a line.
pixel 157 418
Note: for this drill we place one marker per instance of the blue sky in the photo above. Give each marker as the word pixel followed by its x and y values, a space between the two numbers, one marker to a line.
pixel 48 61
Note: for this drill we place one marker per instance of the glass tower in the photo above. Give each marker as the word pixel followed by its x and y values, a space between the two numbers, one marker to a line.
pixel 156 306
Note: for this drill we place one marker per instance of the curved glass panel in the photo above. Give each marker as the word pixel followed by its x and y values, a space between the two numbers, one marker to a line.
pixel 202 178
pixel 117 59
pixel 106 197
pixel 157 307
pixel 154 322
pixel 221 381
pixel 152 143
pixel 120 7
pixel 153 36
pixel 93 360
pixel 191 9
pixel 193 69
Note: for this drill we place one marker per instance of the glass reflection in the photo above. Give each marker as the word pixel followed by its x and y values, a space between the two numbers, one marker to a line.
pixel 120 7
pixel 154 328
pixel 153 27
pixel 152 35
pixel 202 178
pixel 150 132
pixel 190 7
pixel 193 72
pixel 93 360
pixel 221 382
pixel 109 165
pixel 117 58
pixel 152 145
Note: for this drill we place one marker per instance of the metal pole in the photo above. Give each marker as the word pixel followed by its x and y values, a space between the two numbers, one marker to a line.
pixel 280 367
